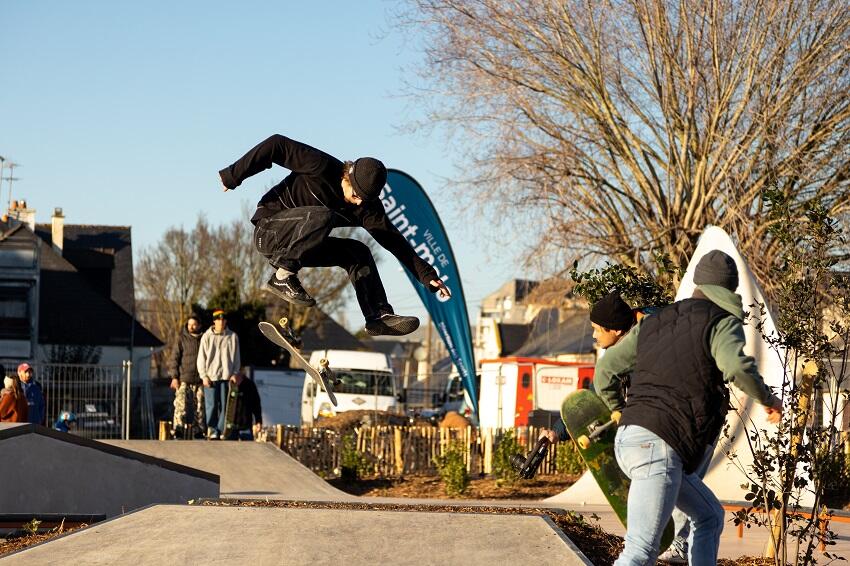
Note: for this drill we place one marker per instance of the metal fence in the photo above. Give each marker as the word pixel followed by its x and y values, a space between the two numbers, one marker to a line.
pixel 101 397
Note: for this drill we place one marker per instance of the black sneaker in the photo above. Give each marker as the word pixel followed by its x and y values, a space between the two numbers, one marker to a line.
pixel 392 325
pixel 290 289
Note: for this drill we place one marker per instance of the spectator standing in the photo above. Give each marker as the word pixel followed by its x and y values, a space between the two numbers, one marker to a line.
pixel 249 412
pixel 33 393
pixel 218 361
pixel 13 402
pixel 189 407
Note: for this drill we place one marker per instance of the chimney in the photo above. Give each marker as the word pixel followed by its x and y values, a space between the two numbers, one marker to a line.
pixel 58 230
pixel 20 212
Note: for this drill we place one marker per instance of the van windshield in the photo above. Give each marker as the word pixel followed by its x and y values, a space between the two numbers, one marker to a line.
pixel 362 382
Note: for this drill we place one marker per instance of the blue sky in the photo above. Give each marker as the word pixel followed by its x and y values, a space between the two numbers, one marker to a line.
pixel 123 112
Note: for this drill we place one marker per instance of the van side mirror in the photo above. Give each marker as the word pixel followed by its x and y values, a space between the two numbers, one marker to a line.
pixel 401 396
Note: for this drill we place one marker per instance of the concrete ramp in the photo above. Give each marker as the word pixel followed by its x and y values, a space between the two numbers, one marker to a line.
pixel 48 472
pixel 170 534
pixel 247 469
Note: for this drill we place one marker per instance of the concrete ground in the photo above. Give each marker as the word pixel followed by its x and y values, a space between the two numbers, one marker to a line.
pixel 318 536
pixel 168 534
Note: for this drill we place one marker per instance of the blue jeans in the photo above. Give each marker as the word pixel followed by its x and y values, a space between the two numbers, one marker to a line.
pixel 657 485
pixel 215 398
pixel 681 523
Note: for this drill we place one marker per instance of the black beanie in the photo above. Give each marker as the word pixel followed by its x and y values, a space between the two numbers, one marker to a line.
pixel 612 312
pixel 717 268
pixel 368 176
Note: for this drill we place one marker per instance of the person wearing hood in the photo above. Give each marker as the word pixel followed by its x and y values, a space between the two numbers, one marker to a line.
pixel 680 361
pixel 189 410
pixel 294 219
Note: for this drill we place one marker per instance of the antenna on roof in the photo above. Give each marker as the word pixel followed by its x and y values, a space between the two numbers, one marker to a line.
pixel 11 165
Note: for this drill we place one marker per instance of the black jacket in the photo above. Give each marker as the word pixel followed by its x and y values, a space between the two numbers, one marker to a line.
pixel 248 407
pixel 315 181
pixel 184 361
pixel 676 389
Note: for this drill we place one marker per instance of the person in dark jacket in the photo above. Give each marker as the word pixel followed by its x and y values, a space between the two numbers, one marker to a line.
pixel 294 218
pixel 33 392
pixel 249 411
pixel 680 360
pixel 189 414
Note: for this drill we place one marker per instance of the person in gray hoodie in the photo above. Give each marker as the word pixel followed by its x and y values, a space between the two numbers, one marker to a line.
pixel 680 360
pixel 218 361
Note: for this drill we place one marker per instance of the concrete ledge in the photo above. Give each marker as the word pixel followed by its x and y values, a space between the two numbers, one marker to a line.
pixel 61 474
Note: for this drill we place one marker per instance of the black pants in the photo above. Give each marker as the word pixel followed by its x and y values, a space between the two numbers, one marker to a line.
pixel 299 237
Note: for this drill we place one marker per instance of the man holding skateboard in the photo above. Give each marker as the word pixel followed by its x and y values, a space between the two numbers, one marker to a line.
pixel 294 219
pixel 611 318
pixel 680 361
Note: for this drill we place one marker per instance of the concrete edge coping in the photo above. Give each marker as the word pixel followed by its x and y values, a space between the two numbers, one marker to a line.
pixel 63 535
pixel 23 429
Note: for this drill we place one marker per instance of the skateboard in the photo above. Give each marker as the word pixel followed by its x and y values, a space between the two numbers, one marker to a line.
pixel 589 423
pixel 323 375
pixel 230 410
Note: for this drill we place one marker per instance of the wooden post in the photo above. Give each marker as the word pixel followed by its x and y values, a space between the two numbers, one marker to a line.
pixel 399 457
pixel 164 426
pixel 279 436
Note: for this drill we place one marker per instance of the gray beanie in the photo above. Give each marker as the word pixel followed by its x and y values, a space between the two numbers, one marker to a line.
pixel 717 268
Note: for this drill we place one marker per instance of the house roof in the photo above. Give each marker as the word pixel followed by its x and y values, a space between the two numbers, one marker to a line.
pixel 328 334
pixel 71 311
pixel 512 337
pixel 103 255
pixel 550 337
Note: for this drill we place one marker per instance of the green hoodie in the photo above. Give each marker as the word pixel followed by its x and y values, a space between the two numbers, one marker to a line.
pixel 727 348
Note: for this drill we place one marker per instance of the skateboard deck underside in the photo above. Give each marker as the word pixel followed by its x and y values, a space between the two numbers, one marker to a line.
pixel 580 410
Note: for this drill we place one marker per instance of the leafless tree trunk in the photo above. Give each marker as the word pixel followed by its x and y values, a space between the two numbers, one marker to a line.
pixel 624 127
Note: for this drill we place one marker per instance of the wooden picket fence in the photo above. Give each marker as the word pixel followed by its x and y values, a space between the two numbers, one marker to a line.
pixel 402 450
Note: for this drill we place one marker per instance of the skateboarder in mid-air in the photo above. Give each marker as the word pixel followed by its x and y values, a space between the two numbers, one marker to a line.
pixel 294 218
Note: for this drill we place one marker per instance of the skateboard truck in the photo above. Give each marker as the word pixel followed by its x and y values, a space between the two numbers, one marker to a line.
pixel 289 334
pixel 527 467
pixel 325 369
pixel 597 429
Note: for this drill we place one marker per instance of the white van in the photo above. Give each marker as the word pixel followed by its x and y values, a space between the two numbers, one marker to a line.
pixel 367 383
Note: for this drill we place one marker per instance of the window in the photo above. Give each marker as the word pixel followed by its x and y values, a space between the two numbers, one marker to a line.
pixel 15 313
pixel 360 382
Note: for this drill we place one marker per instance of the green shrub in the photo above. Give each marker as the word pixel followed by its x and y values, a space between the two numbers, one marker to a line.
pixel 452 467
pixel 505 448
pixel 568 460
pixel 834 471
pixel 353 463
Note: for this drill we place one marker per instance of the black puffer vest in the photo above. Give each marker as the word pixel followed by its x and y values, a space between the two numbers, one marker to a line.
pixel 676 390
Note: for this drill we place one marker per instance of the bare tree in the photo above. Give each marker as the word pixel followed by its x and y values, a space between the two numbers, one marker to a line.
pixel 623 127
pixel 171 277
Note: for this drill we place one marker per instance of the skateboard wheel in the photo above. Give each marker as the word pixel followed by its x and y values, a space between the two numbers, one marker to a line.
pixel 283 322
pixel 323 363
pixel 583 442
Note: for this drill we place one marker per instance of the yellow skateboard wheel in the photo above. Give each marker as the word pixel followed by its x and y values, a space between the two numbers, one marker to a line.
pixel 583 442
pixel 283 322
pixel 323 363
